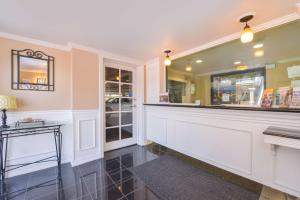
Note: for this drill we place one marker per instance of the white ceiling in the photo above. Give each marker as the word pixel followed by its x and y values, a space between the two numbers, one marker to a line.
pixel 138 29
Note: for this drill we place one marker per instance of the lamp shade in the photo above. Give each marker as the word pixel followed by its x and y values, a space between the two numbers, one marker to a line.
pixel 8 102
pixel 168 61
pixel 247 35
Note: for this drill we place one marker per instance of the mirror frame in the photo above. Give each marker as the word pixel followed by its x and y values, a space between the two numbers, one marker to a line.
pixel 15 69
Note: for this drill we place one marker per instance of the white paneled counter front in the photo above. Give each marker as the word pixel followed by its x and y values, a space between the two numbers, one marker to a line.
pixel 230 139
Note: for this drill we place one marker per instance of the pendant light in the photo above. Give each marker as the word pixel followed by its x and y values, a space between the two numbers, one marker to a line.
pixel 189 67
pixel 168 61
pixel 247 34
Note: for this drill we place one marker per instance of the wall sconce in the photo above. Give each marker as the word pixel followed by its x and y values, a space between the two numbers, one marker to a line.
pixel 168 61
pixel 247 34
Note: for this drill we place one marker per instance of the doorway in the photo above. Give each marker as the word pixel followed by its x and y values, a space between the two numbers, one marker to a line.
pixel 120 112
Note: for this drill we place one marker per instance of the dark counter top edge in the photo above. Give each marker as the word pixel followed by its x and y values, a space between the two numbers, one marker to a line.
pixel 289 110
pixel 282 132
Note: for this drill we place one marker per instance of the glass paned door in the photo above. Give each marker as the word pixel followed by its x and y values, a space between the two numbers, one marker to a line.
pixel 119 107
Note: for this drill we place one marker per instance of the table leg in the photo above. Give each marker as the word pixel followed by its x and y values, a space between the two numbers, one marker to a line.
pixel 60 190
pixel 58 147
pixel 3 154
pixel 1 166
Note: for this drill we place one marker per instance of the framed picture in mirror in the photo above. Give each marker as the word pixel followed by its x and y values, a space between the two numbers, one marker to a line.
pixel 32 70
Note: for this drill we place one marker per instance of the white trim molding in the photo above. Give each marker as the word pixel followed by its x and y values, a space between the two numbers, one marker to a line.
pixel 71 45
pixel 105 54
pixel 33 41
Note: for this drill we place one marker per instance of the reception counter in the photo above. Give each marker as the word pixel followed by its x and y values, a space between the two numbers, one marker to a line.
pixel 233 139
pixel 229 107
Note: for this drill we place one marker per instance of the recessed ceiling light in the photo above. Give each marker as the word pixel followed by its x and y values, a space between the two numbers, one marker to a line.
pixel 257 46
pixel 199 61
pixel 188 68
pixel 237 62
pixel 259 53
pixel 242 67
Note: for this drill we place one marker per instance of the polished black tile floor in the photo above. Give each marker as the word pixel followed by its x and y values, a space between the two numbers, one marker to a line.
pixel 105 179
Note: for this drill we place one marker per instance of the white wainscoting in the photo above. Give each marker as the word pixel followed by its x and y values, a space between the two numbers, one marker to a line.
pixel 87 144
pixel 156 129
pixel 231 140
pixel 81 139
pixel 31 148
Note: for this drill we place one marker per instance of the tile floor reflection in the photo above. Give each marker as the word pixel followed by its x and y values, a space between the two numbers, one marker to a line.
pixel 105 179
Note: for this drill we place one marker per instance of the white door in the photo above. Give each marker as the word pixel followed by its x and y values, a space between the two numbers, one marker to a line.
pixel 120 112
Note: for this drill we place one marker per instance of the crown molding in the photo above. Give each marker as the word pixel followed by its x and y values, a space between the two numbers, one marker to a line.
pixel 124 59
pixel 70 46
pixel 105 54
pixel 33 41
pixel 270 24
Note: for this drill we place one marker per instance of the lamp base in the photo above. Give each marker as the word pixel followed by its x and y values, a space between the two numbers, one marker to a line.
pixel 4 118
pixel 6 126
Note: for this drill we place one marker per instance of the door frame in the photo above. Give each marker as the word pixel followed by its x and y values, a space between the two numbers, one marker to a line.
pixel 102 101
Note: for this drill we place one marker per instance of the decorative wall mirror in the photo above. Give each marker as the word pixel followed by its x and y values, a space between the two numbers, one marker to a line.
pixel 32 70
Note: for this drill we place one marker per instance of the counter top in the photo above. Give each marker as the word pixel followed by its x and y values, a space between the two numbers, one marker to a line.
pixel 282 132
pixel 291 110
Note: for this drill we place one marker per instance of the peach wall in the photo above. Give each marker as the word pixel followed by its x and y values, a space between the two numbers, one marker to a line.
pixel 85 79
pixel 60 99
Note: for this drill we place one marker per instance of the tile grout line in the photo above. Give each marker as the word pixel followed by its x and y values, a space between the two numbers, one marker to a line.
pixel 114 183
pixel 84 182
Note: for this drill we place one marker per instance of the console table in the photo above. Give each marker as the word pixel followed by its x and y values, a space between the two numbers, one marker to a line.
pixel 28 130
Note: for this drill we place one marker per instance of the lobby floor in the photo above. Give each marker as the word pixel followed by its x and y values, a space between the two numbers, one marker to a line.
pixel 107 179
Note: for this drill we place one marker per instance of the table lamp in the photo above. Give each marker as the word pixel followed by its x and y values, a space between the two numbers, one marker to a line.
pixel 6 103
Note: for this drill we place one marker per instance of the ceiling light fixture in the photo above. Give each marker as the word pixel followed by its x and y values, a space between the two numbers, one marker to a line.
pixel 237 62
pixel 168 61
pixel 188 68
pixel 257 46
pixel 247 34
pixel 259 53
pixel 199 61
pixel 242 67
